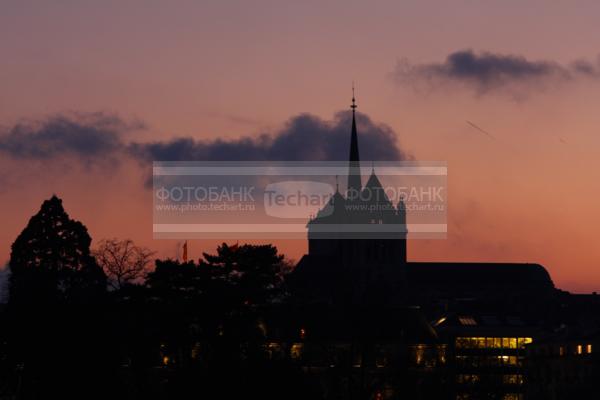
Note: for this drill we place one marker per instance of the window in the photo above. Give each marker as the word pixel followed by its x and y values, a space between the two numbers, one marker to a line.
pixel 579 349
pixel 512 379
pixel 381 361
pixel 470 321
pixel 461 342
pixel 296 351
pixel 490 342
pixel 195 353
pixel 272 350
pixel 512 396
pixel 419 351
pixel 441 353
pixel 473 342
pixel 589 349
pixel 521 342
pixel 509 360
pixel 561 351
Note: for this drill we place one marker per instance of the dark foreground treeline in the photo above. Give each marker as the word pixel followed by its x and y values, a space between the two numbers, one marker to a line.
pixel 190 329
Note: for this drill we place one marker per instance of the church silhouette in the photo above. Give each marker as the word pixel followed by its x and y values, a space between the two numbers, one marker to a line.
pixel 346 266
pixel 461 329
pixel 368 208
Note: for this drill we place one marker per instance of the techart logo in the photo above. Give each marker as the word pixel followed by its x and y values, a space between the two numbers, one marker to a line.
pixel 297 199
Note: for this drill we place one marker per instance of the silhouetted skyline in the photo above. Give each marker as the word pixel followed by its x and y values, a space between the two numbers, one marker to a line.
pixel 94 92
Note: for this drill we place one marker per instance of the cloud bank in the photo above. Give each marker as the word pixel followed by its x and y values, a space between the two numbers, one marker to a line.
pixel 92 138
pixel 486 72
pixel 83 135
pixel 303 138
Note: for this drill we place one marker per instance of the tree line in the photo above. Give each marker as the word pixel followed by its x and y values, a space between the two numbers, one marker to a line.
pixel 103 322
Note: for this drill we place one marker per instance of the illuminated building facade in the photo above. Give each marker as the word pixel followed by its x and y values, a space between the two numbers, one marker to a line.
pixel 486 354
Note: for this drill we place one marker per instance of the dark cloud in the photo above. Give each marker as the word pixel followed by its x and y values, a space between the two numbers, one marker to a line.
pixel 100 136
pixel 84 135
pixel 487 71
pixel 304 137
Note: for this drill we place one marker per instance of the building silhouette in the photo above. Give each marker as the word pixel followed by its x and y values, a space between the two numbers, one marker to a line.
pixel 342 259
pixel 481 316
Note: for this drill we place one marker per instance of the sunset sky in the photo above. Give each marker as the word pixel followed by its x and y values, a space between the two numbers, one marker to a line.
pixel 507 93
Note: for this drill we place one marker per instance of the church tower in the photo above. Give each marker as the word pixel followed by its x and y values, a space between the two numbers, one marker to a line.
pixel 363 207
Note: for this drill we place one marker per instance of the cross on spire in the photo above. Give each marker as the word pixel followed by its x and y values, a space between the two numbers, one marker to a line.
pixel 354 181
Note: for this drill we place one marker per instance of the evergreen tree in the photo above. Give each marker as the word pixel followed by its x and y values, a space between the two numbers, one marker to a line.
pixel 254 272
pixel 51 262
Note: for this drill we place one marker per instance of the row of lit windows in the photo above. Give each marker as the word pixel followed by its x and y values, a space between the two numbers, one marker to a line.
pixel 422 355
pixel 492 342
pixel 507 379
pixel 578 350
pixel 487 361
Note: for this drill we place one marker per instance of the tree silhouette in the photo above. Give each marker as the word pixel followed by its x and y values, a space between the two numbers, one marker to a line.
pixel 122 261
pixel 50 260
pixel 254 272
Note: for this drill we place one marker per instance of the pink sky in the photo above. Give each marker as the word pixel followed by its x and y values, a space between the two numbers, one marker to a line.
pixel 218 69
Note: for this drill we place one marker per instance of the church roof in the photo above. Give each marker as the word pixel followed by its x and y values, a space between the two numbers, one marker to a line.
pixel 373 182
pixel 451 277
pixel 479 275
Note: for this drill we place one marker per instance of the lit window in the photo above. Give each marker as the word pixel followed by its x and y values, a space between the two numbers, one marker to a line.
pixel 579 349
pixel 512 379
pixel 296 351
pixel 195 353
pixel 441 352
pixel 561 351
pixel 521 342
pixel 510 360
pixel 589 349
pixel 419 354
pixel 467 321
pixel 512 396
pixel 479 343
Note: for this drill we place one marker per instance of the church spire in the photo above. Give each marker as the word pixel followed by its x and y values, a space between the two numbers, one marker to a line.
pixel 354 181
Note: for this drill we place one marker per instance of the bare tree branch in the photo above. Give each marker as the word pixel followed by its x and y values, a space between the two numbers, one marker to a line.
pixel 122 261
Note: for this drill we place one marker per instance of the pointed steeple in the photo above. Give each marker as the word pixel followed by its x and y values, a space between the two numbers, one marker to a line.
pixel 354 181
